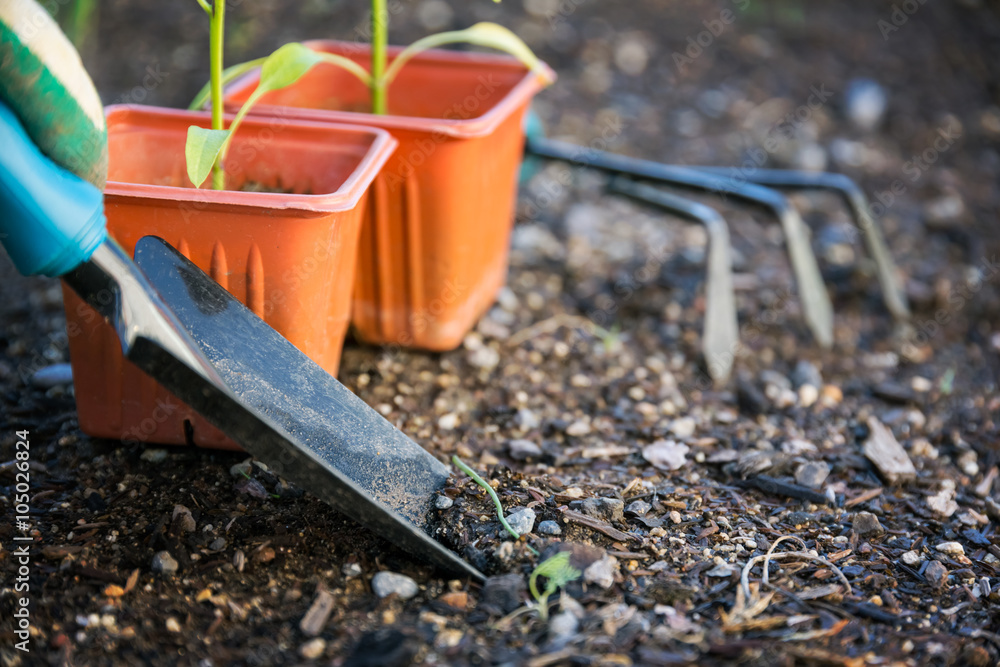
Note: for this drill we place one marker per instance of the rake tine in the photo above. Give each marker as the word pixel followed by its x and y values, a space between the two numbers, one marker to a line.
pixel 720 338
pixel 854 197
pixel 816 304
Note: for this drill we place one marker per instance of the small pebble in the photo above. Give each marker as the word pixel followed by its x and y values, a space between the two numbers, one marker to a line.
pixel 683 427
pixel 218 544
pixel 522 450
pixel 448 422
pixel 522 520
pixel 241 469
pixel 639 507
pixel 721 571
pixel 313 648
pixel 911 558
pixel 578 428
pixel 485 358
pixel 351 570
pixel 808 395
pixel 606 509
pixel 936 574
pixel 443 502
pixel 154 455
pixel 666 454
pixel 831 395
pixel 527 420
pixel 182 520
pixel 52 376
pixel 602 572
pixel 563 627
pixel 867 524
pixel 812 474
pixel 386 583
pixel 806 373
pixel 943 502
pixel 866 102
pixel 173 625
pixel 774 378
pixel 993 510
pixel 549 528
pixel 948 208
pixel 786 398
pixel 951 548
pixel 164 563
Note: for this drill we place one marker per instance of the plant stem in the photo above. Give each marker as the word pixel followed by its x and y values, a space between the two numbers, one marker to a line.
pixel 380 41
pixel 493 494
pixel 82 22
pixel 216 41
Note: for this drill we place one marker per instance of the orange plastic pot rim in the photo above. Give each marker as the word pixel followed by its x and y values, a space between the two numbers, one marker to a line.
pixel 461 128
pixel 345 198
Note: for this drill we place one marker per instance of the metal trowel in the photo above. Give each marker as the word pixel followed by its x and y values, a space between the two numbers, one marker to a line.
pixel 176 323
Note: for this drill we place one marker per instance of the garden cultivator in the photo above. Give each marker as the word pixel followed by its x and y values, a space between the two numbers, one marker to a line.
pixel 635 178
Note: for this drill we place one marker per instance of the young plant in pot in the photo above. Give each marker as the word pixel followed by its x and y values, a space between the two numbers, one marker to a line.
pixel 433 250
pixel 279 230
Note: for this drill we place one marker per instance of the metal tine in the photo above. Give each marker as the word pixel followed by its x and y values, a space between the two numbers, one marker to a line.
pixel 720 338
pixel 816 305
pixel 857 202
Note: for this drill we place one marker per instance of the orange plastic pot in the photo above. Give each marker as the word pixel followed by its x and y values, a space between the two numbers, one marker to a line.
pixel 433 252
pixel 289 255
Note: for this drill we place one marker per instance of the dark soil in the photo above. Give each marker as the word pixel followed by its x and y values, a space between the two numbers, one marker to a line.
pixel 592 356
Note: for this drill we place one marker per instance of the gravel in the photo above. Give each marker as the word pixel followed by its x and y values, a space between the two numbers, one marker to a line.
pixel 387 583
pixel 867 524
pixel 522 520
pixel 164 564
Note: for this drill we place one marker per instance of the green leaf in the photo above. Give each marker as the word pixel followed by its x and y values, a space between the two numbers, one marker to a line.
pixel 286 66
pixel 201 152
pixel 490 35
pixel 282 68
pixel 558 572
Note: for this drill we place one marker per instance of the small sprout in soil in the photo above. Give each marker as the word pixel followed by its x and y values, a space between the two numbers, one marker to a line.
pixel 558 572
pixel 493 494
pixel 273 495
pixel 948 382
pixel 610 338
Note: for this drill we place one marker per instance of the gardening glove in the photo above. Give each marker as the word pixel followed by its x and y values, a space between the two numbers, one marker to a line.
pixel 50 219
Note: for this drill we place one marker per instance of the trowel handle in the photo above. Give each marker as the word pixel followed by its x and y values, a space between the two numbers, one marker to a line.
pixel 50 220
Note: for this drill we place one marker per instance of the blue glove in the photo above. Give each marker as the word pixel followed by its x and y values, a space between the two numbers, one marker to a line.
pixel 50 220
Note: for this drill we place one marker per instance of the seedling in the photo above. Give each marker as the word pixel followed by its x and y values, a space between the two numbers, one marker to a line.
pixel 206 149
pixel 557 572
pixel 493 494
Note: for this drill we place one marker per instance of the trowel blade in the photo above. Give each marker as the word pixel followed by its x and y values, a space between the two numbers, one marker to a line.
pixel 288 412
